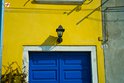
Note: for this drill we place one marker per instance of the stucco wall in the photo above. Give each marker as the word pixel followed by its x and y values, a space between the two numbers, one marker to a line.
pixel 113 3
pixel 35 24
pixel 114 47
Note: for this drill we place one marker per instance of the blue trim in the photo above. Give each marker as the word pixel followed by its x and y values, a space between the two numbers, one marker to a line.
pixel 1 31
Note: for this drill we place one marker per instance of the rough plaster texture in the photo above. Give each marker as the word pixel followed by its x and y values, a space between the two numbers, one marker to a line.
pixel 114 47
pixel 113 3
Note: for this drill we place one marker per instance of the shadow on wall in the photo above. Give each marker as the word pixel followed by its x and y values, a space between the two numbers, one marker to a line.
pixel 50 42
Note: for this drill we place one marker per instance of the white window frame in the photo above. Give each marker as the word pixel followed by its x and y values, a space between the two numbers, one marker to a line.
pixel 92 49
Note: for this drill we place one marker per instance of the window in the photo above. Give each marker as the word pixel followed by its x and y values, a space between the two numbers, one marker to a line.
pixel 71 2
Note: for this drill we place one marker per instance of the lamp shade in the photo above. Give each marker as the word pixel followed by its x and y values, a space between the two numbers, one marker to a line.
pixel 60 31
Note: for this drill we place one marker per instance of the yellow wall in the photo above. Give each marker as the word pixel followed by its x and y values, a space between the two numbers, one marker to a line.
pixel 34 24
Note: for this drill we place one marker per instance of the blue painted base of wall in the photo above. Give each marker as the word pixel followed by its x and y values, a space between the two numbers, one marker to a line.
pixel 1 29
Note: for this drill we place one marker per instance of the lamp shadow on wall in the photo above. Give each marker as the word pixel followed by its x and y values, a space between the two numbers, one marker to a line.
pixel 49 43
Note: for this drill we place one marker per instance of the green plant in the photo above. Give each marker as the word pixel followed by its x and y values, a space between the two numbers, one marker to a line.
pixel 13 75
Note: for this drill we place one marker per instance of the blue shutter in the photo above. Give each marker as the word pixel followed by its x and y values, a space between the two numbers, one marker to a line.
pixel 60 67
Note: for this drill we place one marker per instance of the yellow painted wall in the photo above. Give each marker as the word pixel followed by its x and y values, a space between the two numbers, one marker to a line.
pixel 35 24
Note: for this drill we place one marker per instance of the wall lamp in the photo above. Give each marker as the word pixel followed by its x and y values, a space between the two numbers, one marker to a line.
pixel 60 31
